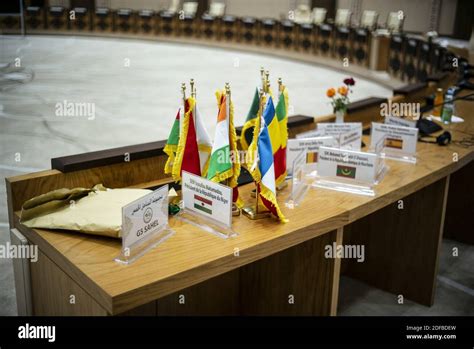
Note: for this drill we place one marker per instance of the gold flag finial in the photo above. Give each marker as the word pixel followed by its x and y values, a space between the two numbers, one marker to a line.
pixel 183 91
pixel 193 90
pixel 267 81
pixel 227 89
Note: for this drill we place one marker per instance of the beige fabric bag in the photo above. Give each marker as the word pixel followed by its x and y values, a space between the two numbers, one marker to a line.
pixel 95 211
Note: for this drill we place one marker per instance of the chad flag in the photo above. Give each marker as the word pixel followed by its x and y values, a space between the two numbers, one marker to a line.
pixel 278 152
pixel 187 153
pixel 246 136
pixel 266 186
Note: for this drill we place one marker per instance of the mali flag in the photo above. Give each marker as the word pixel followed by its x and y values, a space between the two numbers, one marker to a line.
pixel 266 186
pixel 246 136
pixel 282 115
pixel 273 125
pixel 225 163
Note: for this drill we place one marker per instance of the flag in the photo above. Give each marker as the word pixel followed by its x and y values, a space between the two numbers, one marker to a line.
pixel 247 133
pixel 346 171
pixel 282 115
pixel 266 186
pixel 203 141
pixel 171 146
pixel 203 204
pixel 224 164
pixel 273 127
pixel 187 153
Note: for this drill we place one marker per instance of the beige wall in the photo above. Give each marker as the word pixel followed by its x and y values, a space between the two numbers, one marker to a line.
pixel 417 12
pixel 259 8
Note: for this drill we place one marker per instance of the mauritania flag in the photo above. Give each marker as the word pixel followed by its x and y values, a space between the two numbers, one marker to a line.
pixel 171 146
pixel 266 186
pixel 246 135
pixel 273 125
pixel 203 204
pixel 346 171
pixel 225 163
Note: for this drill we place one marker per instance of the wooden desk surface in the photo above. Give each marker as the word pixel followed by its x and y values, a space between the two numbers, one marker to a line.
pixel 192 256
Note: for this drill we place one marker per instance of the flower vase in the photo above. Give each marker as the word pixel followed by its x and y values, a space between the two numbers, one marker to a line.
pixel 340 116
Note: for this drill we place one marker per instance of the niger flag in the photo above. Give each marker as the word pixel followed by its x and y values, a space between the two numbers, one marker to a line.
pixel 224 164
pixel 187 153
pixel 279 159
pixel 246 136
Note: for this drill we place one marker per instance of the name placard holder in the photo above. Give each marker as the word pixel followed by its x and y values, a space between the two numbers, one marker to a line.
pixel 298 183
pixel 399 141
pixel 144 225
pixel 349 171
pixel 206 205
pixel 311 146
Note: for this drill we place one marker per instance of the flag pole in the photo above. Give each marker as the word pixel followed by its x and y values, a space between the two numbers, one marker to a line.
pixel 183 91
pixel 253 212
pixel 284 184
pixel 267 79
pixel 193 90
pixel 235 209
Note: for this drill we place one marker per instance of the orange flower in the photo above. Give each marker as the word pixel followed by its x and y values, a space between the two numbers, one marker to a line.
pixel 330 92
pixel 342 90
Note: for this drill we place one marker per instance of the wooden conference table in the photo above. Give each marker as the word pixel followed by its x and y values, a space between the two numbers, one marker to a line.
pixel 269 268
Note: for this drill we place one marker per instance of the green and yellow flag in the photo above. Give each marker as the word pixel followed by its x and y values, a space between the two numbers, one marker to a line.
pixel 246 136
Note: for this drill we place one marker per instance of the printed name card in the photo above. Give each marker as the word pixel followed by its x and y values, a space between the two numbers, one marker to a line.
pixel 393 120
pixel 348 164
pixel 310 146
pixel 207 199
pixel 349 134
pixel 398 139
pixel 144 217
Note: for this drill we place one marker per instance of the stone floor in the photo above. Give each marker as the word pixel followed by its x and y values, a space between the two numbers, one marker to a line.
pixel 137 104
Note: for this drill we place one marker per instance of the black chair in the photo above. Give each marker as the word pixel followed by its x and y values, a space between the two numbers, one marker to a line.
pixel 248 30
pixel 125 21
pixel 82 19
pixel 306 38
pixel 57 19
pixel 103 21
pixel 396 56
pixel 208 28
pixel 228 28
pixel 287 35
pixel 146 22
pixel 34 18
pixel 361 41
